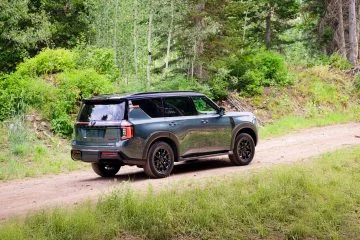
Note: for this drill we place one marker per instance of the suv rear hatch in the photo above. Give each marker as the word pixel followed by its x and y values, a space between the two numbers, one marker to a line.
pixel 99 122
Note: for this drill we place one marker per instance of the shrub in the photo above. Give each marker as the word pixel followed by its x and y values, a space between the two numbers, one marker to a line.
pixel 219 84
pixel 337 61
pixel 100 59
pixel 74 86
pixel 48 61
pixel 357 83
pixel 258 69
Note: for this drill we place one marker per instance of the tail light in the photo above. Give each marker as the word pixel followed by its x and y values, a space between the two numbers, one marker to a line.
pixel 127 130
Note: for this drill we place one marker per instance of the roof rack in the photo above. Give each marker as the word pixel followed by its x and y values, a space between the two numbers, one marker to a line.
pixel 145 93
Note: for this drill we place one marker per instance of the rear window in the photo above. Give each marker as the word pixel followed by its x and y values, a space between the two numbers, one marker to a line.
pixel 102 112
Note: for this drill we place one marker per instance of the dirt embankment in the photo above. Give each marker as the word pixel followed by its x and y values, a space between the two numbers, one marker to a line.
pixel 22 196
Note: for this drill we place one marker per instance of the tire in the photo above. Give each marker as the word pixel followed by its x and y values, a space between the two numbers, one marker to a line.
pixel 243 151
pixel 160 160
pixel 106 169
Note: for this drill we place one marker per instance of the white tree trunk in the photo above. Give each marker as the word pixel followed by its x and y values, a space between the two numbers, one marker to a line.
pixel 135 43
pixel 169 36
pixel 353 41
pixel 148 83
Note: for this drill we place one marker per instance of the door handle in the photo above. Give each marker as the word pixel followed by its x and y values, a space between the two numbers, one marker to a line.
pixel 205 121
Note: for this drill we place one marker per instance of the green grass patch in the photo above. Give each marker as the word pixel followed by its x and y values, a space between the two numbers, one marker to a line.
pixel 312 200
pixel 24 155
pixel 291 123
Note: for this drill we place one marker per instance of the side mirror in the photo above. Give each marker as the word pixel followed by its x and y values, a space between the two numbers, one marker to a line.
pixel 221 111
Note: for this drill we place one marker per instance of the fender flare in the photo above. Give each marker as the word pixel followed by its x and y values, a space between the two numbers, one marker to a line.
pixel 243 126
pixel 157 135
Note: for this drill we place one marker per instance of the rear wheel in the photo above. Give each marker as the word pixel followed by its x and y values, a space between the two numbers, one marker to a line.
pixel 160 161
pixel 244 150
pixel 106 169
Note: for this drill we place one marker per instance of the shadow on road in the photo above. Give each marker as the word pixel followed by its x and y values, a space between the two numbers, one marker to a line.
pixel 193 166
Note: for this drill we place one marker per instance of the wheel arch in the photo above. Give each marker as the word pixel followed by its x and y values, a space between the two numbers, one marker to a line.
pixel 167 137
pixel 244 128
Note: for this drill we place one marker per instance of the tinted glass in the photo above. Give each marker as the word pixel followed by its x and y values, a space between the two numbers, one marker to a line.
pixel 102 112
pixel 179 106
pixel 204 105
pixel 152 107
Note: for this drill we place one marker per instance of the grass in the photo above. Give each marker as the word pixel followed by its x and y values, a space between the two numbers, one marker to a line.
pixel 24 155
pixel 312 200
pixel 291 123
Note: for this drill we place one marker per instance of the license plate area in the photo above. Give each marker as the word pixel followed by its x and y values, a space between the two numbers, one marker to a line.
pixel 93 133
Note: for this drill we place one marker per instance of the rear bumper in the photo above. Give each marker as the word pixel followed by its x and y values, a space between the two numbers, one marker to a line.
pixel 95 155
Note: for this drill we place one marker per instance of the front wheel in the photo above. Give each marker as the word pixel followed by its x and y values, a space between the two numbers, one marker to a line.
pixel 244 150
pixel 160 161
pixel 106 169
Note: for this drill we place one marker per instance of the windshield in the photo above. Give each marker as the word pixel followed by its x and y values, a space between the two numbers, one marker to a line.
pixel 102 112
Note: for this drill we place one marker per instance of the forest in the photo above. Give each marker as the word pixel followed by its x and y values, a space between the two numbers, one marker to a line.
pixel 212 46
pixel 293 63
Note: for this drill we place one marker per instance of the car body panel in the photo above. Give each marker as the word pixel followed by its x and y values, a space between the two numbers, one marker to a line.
pixel 189 136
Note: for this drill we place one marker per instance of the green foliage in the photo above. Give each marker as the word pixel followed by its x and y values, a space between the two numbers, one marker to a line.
pixel 318 200
pixel 357 83
pixel 100 59
pixel 50 82
pixel 48 61
pixel 337 61
pixel 24 154
pixel 179 82
pixel 23 31
pixel 74 86
pixel 219 84
pixel 259 69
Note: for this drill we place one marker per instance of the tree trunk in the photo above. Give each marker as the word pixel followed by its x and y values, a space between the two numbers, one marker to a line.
pixel 149 51
pixel 115 32
pixel 169 36
pixel 342 45
pixel 268 29
pixel 135 44
pixel 198 43
pixel 353 51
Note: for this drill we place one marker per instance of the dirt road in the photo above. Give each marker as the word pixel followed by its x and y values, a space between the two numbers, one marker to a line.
pixel 22 196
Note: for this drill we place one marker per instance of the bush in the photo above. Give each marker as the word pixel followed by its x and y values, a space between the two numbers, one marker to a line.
pixel 100 59
pixel 337 61
pixel 357 83
pixel 219 84
pixel 48 61
pixel 74 86
pixel 258 69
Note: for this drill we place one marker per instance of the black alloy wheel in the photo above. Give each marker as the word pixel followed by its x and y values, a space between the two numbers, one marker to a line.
pixel 244 150
pixel 160 160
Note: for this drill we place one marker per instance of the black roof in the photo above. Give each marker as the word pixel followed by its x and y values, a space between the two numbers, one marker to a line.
pixel 143 95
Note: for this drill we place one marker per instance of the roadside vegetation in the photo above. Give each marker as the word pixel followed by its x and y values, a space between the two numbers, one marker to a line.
pixel 29 152
pixel 315 199
pixel 56 54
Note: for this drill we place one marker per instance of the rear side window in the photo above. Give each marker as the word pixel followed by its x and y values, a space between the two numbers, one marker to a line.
pixel 152 107
pixel 102 112
pixel 179 106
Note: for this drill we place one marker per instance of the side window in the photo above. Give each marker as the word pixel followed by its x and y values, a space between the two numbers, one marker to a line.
pixel 152 107
pixel 204 105
pixel 178 106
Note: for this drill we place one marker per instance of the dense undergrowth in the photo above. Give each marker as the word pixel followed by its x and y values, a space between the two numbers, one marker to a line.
pixel 311 200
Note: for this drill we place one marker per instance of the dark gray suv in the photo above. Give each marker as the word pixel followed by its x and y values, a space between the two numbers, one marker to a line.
pixel 155 129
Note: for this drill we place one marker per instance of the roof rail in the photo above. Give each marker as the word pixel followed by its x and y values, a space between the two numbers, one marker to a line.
pixel 145 93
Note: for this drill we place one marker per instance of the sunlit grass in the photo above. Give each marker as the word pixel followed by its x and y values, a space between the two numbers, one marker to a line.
pixel 288 124
pixel 317 199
